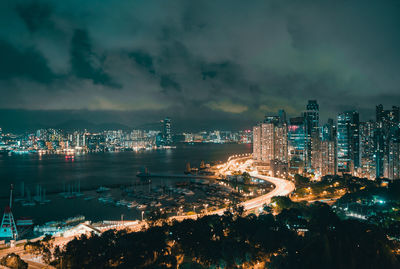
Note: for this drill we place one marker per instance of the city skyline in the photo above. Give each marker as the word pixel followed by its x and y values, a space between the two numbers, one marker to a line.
pixel 200 134
pixel 306 145
pixel 204 64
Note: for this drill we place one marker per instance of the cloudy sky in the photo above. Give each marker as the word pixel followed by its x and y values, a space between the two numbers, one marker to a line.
pixel 207 64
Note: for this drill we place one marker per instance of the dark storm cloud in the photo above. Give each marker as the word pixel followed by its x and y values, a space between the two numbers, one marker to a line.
pixel 35 14
pixel 226 62
pixel 167 82
pixel 85 63
pixel 25 63
pixel 143 59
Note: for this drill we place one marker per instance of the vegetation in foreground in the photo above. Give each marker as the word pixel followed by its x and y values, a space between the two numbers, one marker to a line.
pixel 306 236
pixel 13 261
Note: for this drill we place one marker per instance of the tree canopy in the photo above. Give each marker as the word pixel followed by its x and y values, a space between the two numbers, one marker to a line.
pixel 235 241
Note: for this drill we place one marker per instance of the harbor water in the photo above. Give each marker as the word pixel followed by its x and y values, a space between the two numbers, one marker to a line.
pixel 44 177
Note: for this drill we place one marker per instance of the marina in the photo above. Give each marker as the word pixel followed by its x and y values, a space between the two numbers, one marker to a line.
pixel 194 196
pixel 91 187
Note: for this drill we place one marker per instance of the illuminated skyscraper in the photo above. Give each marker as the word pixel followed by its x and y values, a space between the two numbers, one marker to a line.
pixel 270 140
pixel 348 141
pixel 328 131
pixel 280 142
pixel 311 120
pixel 394 159
pixel 327 158
pixel 311 116
pixel 267 140
pixel 367 148
pixel 257 143
pixel 166 131
pixel 296 144
pixel 387 130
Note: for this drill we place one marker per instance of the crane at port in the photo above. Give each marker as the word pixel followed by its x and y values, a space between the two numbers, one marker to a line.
pixel 8 229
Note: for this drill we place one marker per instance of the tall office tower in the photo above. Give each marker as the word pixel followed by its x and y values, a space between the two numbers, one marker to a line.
pixel 312 116
pixel 379 146
pixel 394 159
pixel 282 116
pixel 311 119
pixel 348 141
pixel 387 131
pixel 166 131
pixel 327 157
pixel 367 149
pixel 296 144
pixel 257 143
pixel 388 120
pixel 379 112
pixel 395 113
pixel 281 142
pixel 315 153
pixel 328 131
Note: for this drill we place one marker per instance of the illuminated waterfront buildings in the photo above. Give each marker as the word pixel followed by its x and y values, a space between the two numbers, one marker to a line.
pixel 270 139
pixel 166 131
pixel 55 141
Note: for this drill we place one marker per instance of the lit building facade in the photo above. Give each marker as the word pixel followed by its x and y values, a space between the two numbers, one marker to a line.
pixel 367 148
pixel 267 141
pixel 296 144
pixel 327 158
pixel 270 140
pixel 311 120
pixel 348 142
pixel 393 171
pixel 387 131
pixel 257 143
pixel 166 131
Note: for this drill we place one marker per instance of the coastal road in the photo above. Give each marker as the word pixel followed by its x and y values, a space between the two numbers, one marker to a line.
pixel 283 187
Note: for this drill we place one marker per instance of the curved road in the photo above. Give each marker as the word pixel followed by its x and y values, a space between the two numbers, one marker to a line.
pixel 283 187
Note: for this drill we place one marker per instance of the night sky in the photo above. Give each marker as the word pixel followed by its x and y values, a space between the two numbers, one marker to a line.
pixel 206 64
